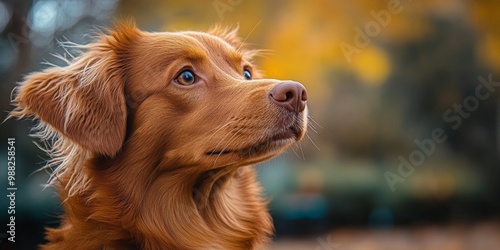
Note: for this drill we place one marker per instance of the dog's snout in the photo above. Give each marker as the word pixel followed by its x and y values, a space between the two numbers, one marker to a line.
pixel 289 95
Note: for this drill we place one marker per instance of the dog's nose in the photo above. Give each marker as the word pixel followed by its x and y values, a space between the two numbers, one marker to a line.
pixel 289 95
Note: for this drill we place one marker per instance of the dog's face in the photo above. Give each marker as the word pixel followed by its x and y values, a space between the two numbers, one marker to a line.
pixel 209 100
pixel 194 97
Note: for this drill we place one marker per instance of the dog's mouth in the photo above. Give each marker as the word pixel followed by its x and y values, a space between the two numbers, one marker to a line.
pixel 276 141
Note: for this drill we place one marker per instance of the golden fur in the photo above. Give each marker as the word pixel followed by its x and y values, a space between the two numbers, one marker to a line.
pixel 141 162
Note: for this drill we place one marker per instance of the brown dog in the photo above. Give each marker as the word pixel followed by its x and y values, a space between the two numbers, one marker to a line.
pixel 152 137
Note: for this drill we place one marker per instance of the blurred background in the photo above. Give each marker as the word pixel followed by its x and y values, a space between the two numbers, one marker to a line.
pixel 404 149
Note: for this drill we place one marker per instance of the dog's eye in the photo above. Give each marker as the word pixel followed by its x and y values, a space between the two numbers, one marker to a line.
pixel 186 78
pixel 247 74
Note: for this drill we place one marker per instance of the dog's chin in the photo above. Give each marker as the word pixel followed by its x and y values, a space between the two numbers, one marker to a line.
pixel 261 150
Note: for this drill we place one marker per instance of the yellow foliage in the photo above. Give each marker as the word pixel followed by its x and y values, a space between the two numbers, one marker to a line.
pixel 305 36
pixel 372 65
pixel 484 15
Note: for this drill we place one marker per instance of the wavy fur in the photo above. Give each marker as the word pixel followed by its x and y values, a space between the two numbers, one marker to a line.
pixel 132 151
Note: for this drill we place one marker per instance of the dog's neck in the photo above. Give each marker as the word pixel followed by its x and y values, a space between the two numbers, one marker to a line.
pixel 222 208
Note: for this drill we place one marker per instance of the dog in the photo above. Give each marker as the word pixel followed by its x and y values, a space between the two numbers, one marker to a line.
pixel 152 138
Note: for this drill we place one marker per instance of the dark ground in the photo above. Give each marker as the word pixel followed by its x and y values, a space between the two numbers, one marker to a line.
pixel 478 236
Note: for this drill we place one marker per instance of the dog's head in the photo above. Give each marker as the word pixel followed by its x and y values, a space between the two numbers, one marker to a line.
pixel 195 98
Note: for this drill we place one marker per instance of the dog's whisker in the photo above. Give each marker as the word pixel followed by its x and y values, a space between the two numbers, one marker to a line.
pixel 244 40
pixel 296 149
pixel 312 128
pixel 316 146
pixel 219 128
pixel 314 121
pixel 311 125
pixel 231 134
pixel 295 152
pixel 302 151
pixel 223 139
pixel 231 139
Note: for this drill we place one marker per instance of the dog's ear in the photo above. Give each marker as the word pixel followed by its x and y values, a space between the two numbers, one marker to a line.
pixel 85 100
